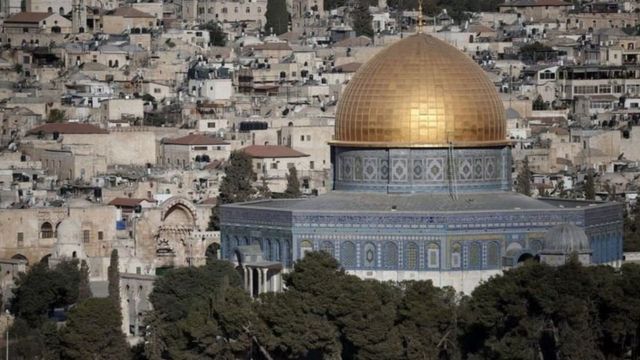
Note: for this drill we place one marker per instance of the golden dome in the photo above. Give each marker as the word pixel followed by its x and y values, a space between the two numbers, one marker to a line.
pixel 420 92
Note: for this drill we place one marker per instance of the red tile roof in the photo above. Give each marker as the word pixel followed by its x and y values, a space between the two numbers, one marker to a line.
pixel 126 202
pixel 272 151
pixel 68 128
pixel 27 17
pixel 196 139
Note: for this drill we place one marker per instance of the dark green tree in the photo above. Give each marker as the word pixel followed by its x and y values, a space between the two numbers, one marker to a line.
pixel 93 332
pixel 277 17
pixel 84 290
pixel 113 275
pixel 539 104
pixel 41 290
pixel 293 184
pixel 56 116
pixel 632 229
pixel 236 185
pixel 590 186
pixel 200 312
pixel 523 180
pixel 362 19
pixel 217 37
pixel 428 321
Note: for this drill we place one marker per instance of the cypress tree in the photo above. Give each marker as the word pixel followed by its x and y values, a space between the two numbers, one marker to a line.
pixel 277 17
pixel 590 186
pixel 362 19
pixel 84 290
pixel 114 278
pixel 293 184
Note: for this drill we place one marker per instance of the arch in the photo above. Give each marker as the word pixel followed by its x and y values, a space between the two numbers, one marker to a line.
pixel 412 256
pixel 248 10
pixel 61 10
pixel 475 256
pixel 46 230
pixel 348 254
pixel 20 257
pixel 45 259
pixel 369 255
pixel 493 254
pixel 277 250
pixel 327 246
pixel 81 29
pixel 173 204
pixel 266 252
pixel 535 246
pixel 525 257
pixel 390 255
pixel 49 10
pixel 433 256
pixel 305 247
pixel 456 256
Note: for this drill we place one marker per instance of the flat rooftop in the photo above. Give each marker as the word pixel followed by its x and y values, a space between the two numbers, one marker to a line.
pixel 337 201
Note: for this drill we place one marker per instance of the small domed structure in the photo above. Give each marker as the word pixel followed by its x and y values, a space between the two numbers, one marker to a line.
pixel 561 241
pixel 69 240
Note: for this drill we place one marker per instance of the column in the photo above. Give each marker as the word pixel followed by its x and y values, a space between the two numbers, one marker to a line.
pixel 264 281
pixel 250 281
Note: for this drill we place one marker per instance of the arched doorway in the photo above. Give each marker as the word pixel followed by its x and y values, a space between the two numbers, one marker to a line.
pixel 20 257
pixel 45 259
pixel 212 252
pixel 524 257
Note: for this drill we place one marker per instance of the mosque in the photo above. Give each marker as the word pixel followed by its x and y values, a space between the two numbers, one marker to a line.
pixel 422 187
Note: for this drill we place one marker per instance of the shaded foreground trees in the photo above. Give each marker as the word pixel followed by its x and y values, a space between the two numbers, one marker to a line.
pixel 534 311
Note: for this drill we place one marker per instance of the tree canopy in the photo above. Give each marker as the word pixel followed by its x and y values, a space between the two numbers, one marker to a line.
pixel 523 180
pixel 277 17
pixel 293 184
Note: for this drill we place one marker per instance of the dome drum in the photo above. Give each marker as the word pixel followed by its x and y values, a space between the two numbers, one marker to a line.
pixel 412 170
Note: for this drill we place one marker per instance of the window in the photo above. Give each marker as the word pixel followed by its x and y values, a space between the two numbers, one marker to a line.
pixel 327 246
pixel 308 137
pixel 86 236
pixel 20 239
pixel 390 255
pixel 604 89
pixel 311 165
pixel 248 10
pixel 369 255
pixel 157 90
pixel 493 255
pixel 259 10
pixel 433 256
pixel 305 247
pixel 235 10
pixel 224 10
pixel 211 124
pixel 100 235
pixel 585 89
pixel 455 256
pixel 412 256
pixel 348 254
pixel 301 137
pixel 547 75
pixel 276 250
pixel 46 230
pixel 274 165
pixel 258 166
pixel 267 249
pixel 25 30
pixel 200 148
pixel 475 256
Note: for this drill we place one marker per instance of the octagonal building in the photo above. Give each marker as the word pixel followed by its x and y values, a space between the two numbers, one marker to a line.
pixel 421 185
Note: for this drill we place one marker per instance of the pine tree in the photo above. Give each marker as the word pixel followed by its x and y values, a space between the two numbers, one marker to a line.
pixel 362 19
pixel 277 17
pixel 114 278
pixel 523 181
pixel 590 186
pixel 293 184
pixel 84 290
pixel 236 186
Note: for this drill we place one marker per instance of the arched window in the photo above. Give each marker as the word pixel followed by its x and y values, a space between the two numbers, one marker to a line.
pixel 235 10
pixel 456 255
pixel 248 10
pixel 267 249
pixel 305 247
pixel 276 250
pixel 46 230
pixel 493 254
pixel 259 10
pixel 390 255
pixel 369 255
pixel 61 10
pixel 433 256
pixel 110 63
pixel 348 254
pixel 49 9
pixel 475 256
pixel 412 256
pixel 327 246
pixel 224 10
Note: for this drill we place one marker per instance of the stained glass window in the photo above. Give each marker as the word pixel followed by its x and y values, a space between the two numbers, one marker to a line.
pixel 348 254
pixel 412 256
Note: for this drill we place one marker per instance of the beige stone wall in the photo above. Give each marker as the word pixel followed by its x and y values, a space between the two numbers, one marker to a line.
pixel 95 219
